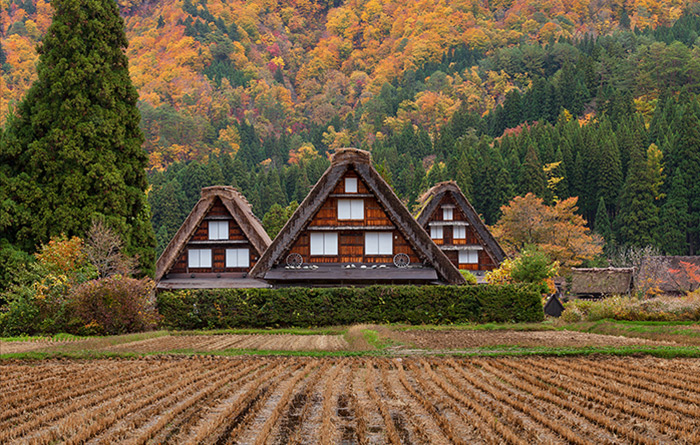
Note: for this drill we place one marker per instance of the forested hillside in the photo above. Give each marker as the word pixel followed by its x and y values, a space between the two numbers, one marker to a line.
pixel 595 99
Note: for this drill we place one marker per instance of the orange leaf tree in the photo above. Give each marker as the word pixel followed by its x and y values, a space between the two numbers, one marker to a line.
pixel 557 230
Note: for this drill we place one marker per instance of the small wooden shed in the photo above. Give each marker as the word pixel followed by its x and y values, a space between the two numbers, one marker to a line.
pixel 216 246
pixel 600 282
pixel 352 229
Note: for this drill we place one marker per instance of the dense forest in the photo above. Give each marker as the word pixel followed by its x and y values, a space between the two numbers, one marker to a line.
pixel 590 99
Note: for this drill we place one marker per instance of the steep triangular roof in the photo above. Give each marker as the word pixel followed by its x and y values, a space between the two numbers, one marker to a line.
pixel 360 161
pixel 430 201
pixel 241 212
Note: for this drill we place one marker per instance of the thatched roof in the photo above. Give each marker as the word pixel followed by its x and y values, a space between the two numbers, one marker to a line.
pixel 360 161
pixel 670 274
pixel 605 281
pixel 430 201
pixel 241 212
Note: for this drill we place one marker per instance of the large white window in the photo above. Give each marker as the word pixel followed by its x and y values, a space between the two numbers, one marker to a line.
pixel 447 213
pixel 459 232
pixel 350 185
pixel 351 209
pixel 378 243
pixel 237 258
pixel 436 232
pixel 218 230
pixel 199 258
pixel 324 243
pixel 468 257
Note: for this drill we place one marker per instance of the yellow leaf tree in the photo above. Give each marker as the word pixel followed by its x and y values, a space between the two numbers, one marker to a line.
pixel 557 230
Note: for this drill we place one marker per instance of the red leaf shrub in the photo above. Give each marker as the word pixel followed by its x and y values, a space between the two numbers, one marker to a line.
pixel 115 305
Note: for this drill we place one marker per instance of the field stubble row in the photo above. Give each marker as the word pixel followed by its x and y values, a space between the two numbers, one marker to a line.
pixel 295 400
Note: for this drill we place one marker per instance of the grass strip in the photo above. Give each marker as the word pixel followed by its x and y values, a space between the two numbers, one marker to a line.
pixel 490 351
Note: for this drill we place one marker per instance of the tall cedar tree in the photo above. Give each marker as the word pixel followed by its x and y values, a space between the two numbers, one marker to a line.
pixel 602 223
pixel 638 220
pixel 532 179
pixel 73 152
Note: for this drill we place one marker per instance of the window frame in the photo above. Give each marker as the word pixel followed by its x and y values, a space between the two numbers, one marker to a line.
pixel 353 205
pixel 445 211
pixel 326 237
pixel 351 180
pixel 198 252
pixel 238 251
pixel 469 253
pixel 218 225
pixel 374 240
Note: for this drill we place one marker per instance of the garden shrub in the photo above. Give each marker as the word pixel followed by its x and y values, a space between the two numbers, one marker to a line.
pixel 300 307
pixel 113 305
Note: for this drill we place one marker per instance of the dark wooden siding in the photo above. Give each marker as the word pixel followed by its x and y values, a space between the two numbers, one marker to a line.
pixel 351 243
pixel 218 212
pixel 485 261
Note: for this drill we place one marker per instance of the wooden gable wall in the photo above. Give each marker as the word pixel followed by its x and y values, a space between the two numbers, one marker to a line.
pixel 351 237
pixel 486 262
pixel 200 240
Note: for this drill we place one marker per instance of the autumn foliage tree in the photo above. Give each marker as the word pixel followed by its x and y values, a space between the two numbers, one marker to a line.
pixel 557 230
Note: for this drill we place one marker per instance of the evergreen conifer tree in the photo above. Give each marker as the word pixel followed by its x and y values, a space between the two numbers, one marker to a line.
pixel 602 223
pixel 73 151
pixel 532 177
pixel 638 220
pixel 674 216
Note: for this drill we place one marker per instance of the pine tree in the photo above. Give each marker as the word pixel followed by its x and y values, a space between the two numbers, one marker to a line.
pixel 532 178
pixel 638 220
pixel 602 223
pixel 686 156
pixel 674 216
pixel 609 178
pixel 74 149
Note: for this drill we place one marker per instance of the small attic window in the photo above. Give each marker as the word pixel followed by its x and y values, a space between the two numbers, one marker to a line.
pixel 218 230
pixel 447 213
pixel 350 185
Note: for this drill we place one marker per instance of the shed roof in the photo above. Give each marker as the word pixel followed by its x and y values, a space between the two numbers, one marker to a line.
pixel 241 212
pixel 602 281
pixel 360 161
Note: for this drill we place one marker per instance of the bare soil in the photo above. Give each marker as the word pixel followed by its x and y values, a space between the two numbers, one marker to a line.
pixel 463 339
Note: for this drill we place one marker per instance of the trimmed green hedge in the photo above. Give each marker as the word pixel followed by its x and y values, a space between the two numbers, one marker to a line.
pixel 299 307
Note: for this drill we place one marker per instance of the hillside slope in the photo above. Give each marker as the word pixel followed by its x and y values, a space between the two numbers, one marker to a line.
pixel 289 67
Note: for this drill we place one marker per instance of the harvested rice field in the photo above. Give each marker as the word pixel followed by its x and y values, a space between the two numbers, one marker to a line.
pixel 197 343
pixel 364 400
